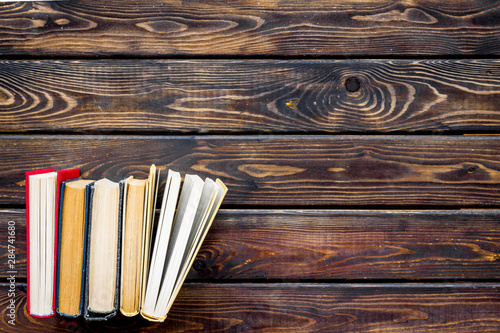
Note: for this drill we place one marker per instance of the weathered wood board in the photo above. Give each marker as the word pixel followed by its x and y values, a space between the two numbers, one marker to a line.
pixel 226 96
pixel 331 245
pixel 250 28
pixel 303 307
pixel 281 171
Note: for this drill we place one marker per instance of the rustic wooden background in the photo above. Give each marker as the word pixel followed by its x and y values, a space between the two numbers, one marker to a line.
pixel 357 139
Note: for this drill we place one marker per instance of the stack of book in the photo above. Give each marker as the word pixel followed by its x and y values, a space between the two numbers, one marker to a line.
pixel 90 243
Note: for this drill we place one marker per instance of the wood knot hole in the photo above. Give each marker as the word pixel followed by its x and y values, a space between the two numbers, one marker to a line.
pixel 199 265
pixel 352 84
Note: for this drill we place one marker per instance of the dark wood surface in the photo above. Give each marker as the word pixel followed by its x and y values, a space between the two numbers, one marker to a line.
pixel 285 171
pixel 358 139
pixel 250 28
pixel 250 96
pixel 300 308
pixel 335 245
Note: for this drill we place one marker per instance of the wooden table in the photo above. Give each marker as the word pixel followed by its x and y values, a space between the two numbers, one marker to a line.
pixel 357 139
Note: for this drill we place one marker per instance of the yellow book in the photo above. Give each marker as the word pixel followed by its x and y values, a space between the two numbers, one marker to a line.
pixel 131 272
pixel 71 250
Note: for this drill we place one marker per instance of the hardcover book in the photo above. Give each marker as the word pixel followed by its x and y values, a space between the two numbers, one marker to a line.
pixel 42 193
pixel 103 250
pixel 72 236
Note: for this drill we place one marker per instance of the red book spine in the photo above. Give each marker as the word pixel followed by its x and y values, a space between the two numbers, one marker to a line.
pixel 61 177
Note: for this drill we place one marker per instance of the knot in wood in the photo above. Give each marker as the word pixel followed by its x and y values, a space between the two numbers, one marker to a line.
pixel 352 84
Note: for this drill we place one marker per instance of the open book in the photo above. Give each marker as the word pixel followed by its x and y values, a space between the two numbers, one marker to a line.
pixel 179 237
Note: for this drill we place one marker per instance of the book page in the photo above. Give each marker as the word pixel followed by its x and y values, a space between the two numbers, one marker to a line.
pixel 152 190
pixel 42 192
pixel 34 189
pixel 200 237
pixel 188 205
pixel 165 223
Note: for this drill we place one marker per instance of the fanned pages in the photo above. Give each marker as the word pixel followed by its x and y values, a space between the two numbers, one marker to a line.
pixel 42 194
pixel 170 195
pixel 207 215
pixel 188 204
pixel 197 206
pixel 72 236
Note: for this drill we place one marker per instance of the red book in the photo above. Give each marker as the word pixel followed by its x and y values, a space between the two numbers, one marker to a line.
pixel 62 176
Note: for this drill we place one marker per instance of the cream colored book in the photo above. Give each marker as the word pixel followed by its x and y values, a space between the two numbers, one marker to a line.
pixel 103 250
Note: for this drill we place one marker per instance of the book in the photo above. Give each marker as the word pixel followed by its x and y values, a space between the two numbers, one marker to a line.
pixel 103 250
pixel 207 210
pixel 147 232
pixel 134 215
pixel 42 193
pixel 163 232
pixel 71 246
pixel 179 238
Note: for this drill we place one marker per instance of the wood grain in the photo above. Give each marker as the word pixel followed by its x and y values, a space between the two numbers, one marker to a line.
pixel 250 28
pixel 250 96
pixel 290 245
pixel 281 171
pixel 332 245
pixel 300 308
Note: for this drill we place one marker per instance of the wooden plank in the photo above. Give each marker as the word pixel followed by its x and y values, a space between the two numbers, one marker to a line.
pixel 288 245
pixel 249 96
pixel 281 171
pixel 299 308
pixel 254 27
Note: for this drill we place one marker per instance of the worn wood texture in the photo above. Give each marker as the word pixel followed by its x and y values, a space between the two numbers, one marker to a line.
pixel 281 171
pixel 385 245
pixel 250 96
pixel 299 308
pixel 250 28
pixel 289 245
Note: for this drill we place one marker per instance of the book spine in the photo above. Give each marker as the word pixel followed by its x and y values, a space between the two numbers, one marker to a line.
pixel 88 223
pixel 88 208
